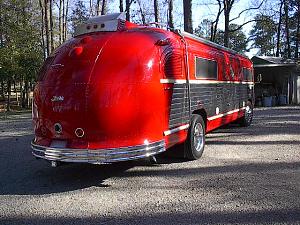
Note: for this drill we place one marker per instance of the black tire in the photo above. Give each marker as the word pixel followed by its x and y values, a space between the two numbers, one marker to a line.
pixel 194 150
pixel 246 120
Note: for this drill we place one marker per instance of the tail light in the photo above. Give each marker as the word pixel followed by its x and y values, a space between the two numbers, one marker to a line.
pixel 76 52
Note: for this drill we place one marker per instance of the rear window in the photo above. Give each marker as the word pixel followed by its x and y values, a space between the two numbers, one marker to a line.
pixel 247 74
pixel 205 68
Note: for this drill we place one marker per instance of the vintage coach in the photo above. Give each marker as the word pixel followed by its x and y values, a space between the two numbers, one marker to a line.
pixel 120 91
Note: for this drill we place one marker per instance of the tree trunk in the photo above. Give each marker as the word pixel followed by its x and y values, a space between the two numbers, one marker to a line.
pixel 279 30
pixel 66 21
pixel 214 25
pixel 16 92
pixel 127 5
pixel 227 4
pixel 2 89
pixel 121 6
pixel 8 95
pixel 91 8
pixel 170 13
pixel 297 32
pixel 63 20
pixel 47 27
pixel 98 8
pixel 156 12
pixel 287 29
pixel 42 29
pixel 60 21
pixel 187 14
pixel 1 27
pixel 226 30
pixel 51 24
pixel 27 93
pixel 104 7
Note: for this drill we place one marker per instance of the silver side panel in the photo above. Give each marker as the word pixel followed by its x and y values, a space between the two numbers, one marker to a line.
pixel 225 96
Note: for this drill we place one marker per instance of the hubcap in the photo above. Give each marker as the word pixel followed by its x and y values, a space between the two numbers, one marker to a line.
pixel 248 114
pixel 198 137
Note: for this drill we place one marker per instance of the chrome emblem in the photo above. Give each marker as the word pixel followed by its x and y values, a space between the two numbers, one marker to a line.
pixel 57 98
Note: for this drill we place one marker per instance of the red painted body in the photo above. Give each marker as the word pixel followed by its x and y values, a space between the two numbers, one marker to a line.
pixel 110 83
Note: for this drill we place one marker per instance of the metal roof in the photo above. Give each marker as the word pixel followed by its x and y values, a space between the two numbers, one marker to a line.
pixel 210 43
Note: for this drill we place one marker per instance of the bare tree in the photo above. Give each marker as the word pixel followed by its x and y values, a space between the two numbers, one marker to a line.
pixel 279 30
pixel 91 8
pixel 187 14
pixel 121 6
pixel 170 14
pixel 104 7
pixel 156 12
pixel 214 24
pixel 227 7
pixel 60 23
pixel 127 7
pixel 227 4
pixel 65 26
pixel 143 16
pixel 297 30
pixel 51 24
pixel 287 29
pixel 46 22
pixel 43 28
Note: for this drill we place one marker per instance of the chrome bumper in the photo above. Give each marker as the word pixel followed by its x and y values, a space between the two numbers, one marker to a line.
pixel 98 156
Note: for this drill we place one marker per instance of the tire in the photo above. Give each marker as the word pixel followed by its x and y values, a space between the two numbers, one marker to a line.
pixel 246 120
pixel 195 142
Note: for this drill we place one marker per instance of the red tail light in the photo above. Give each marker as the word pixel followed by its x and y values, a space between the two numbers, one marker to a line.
pixel 76 51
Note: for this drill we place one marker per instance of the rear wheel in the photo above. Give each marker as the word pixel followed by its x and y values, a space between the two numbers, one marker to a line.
pixel 246 120
pixel 194 144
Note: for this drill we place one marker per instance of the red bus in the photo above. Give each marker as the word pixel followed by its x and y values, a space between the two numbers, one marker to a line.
pixel 119 91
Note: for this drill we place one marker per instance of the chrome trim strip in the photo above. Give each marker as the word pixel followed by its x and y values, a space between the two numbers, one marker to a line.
pixel 183 81
pixel 225 114
pixel 98 156
pixel 182 127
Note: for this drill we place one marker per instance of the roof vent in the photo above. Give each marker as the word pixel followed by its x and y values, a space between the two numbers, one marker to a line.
pixel 110 22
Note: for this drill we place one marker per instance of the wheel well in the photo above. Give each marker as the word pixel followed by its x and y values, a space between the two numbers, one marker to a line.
pixel 202 113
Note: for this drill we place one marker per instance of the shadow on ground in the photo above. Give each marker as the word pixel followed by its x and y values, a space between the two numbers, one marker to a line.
pixel 284 216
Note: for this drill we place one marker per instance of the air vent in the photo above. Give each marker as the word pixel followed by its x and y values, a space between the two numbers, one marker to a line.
pixel 173 66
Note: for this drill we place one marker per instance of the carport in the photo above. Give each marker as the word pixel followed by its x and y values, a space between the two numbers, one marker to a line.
pixel 276 78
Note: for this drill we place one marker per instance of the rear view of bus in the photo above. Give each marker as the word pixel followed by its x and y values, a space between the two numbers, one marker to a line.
pixel 97 96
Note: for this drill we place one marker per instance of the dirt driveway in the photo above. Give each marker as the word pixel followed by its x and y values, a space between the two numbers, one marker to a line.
pixel 246 176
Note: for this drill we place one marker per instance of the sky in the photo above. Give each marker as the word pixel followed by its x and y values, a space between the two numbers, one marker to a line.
pixel 201 10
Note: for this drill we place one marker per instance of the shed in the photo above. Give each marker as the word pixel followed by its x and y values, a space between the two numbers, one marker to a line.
pixel 278 78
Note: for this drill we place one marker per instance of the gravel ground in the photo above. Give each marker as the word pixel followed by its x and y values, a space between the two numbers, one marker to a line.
pixel 246 176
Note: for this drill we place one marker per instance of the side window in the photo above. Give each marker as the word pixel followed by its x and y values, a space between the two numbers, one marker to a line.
pixel 247 74
pixel 206 69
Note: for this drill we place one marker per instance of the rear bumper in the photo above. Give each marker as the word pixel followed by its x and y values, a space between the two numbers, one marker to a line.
pixel 98 156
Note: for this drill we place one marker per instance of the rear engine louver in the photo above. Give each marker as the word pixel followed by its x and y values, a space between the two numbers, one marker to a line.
pixel 173 66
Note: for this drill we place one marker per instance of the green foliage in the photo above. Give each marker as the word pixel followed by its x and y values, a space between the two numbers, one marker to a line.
pixel 264 32
pixel 20 52
pixel 79 15
pixel 237 38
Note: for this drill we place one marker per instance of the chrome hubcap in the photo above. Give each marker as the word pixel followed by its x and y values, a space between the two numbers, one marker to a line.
pixel 248 113
pixel 248 109
pixel 198 137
